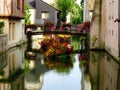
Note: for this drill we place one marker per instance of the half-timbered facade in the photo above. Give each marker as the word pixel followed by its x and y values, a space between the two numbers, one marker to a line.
pixel 12 13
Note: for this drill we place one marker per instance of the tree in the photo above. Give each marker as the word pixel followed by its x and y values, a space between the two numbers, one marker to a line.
pixel 65 6
pixel 77 14
pixel 27 14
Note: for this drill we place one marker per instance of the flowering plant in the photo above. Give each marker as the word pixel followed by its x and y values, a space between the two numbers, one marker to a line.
pixel 48 25
pixel 55 46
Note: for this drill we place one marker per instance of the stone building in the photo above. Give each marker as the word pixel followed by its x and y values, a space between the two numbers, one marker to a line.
pixel 105 31
pixel 42 11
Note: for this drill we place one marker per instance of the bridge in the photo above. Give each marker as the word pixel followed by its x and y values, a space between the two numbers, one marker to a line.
pixel 31 33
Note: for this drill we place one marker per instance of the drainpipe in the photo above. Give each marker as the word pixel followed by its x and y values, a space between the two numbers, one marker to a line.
pixel 119 27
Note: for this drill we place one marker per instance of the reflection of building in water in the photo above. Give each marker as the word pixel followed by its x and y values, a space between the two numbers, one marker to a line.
pixel 12 61
pixel 34 80
pixel 103 72
pixel 11 73
pixel 16 84
pixel 85 82
pixel 36 40
pixel 119 79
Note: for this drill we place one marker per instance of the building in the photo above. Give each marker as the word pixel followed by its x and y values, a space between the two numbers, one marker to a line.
pixel 12 13
pixel 105 27
pixel 49 1
pixel 88 10
pixel 42 11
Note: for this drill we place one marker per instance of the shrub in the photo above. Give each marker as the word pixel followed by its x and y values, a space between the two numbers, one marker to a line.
pixel 2 24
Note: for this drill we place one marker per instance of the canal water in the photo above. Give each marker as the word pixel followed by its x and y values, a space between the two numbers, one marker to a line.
pixel 25 68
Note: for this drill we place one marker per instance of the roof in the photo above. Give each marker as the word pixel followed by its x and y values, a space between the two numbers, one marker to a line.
pixel 32 3
pixel 50 5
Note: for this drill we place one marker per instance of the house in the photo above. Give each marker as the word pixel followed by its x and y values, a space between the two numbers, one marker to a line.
pixel 105 27
pixel 12 13
pixel 42 11
pixel 88 10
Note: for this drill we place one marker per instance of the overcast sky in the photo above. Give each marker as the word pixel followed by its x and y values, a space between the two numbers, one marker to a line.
pixel 78 1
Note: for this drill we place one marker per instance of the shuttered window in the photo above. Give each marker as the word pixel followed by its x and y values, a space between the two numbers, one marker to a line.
pixel 45 14
pixel 18 4
pixel 22 5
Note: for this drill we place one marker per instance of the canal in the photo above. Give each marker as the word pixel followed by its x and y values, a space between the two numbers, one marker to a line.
pixel 26 68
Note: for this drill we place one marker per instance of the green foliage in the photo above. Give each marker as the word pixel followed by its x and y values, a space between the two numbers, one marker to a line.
pixel 27 14
pixel 65 6
pixel 2 24
pixel 26 67
pixel 76 14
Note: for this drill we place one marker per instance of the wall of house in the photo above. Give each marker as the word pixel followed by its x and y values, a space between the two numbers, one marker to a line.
pixel 45 7
pixel 104 31
pixel 86 16
pixel 111 41
pixel 19 35
pixel 5 7
pixel 95 28
pixel 17 12
pixel 3 42
pixel 33 16
pixel 10 8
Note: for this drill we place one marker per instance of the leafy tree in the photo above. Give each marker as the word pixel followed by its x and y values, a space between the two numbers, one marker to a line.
pixel 27 14
pixel 77 14
pixel 65 6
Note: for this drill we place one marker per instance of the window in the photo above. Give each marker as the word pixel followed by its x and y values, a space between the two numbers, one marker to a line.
pixel 12 62
pixel 45 14
pixel 112 11
pixel 22 5
pixel 11 31
pixel 18 4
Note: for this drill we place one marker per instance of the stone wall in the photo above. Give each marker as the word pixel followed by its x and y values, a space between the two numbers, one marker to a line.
pixel 3 42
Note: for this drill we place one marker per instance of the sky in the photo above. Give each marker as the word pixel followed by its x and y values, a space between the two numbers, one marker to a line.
pixel 78 1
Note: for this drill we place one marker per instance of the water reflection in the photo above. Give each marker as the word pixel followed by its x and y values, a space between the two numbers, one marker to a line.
pixel 103 71
pixel 11 73
pixel 24 68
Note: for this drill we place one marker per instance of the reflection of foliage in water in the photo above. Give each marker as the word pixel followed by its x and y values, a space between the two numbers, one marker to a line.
pixel 26 65
pixel 2 73
pixel 83 58
pixel 75 42
pixel 61 66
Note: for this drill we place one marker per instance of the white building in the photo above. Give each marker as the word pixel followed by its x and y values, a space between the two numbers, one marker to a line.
pixel 12 13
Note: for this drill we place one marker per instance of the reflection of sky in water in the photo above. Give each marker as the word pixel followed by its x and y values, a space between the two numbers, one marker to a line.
pixel 55 81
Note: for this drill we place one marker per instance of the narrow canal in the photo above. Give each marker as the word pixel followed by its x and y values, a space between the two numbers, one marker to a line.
pixel 26 68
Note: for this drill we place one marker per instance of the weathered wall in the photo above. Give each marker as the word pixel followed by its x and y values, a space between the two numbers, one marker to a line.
pixel 10 8
pixel 104 31
pixel 3 42
pixel 45 7
pixel 111 39
pixel 95 29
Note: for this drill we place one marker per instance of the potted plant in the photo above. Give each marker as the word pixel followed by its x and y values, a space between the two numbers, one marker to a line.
pixel 2 24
